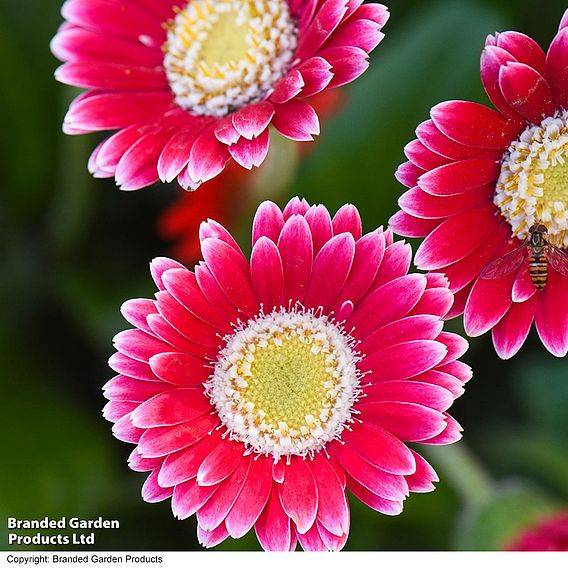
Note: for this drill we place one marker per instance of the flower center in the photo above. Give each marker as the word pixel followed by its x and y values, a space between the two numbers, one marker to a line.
pixel 533 184
pixel 223 54
pixel 286 382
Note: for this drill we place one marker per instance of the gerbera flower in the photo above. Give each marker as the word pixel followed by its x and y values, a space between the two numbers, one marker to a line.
pixel 257 391
pixel 190 84
pixel 480 179
pixel 548 535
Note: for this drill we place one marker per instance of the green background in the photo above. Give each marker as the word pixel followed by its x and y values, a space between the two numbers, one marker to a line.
pixel 72 249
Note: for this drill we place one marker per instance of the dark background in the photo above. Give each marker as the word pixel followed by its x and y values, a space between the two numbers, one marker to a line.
pixel 72 249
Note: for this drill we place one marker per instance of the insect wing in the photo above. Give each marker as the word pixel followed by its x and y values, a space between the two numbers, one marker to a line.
pixel 505 264
pixel 558 259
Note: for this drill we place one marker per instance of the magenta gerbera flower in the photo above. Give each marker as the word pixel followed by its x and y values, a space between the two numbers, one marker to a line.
pixel 489 192
pixel 549 534
pixel 190 84
pixel 257 391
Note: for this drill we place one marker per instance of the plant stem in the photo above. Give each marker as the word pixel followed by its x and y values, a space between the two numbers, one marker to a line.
pixel 463 471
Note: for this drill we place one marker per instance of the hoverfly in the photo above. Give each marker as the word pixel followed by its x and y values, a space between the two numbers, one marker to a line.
pixel 540 253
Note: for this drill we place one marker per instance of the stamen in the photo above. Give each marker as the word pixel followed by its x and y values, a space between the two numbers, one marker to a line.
pixel 224 54
pixel 286 382
pixel 533 184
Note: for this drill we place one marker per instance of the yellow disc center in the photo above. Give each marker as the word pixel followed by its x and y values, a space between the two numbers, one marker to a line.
pixel 288 382
pixel 226 40
pixel 533 183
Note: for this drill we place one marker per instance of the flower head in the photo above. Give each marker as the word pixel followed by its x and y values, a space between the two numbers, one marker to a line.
pixel 484 181
pixel 189 85
pixel 257 391
pixel 548 535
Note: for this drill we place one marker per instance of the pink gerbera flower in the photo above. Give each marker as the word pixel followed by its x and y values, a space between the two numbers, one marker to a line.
pixel 483 181
pixel 191 84
pixel 548 535
pixel 257 391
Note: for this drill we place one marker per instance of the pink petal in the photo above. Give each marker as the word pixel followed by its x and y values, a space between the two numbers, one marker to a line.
pixel 361 33
pixel 159 265
pixel 455 343
pixel 252 120
pixel 454 238
pixel 298 494
pixel 396 262
pixel 189 497
pixel 404 360
pixel 523 48
pixel 401 330
pixel 527 91
pixel 295 206
pixel 330 270
pixel 390 302
pixel 183 465
pixel 385 506
pixel 369 251
pixel 213 513
pixel 252 498
pixel 209 539
pixel 171 407
pixel 380 482
pixel 557 67
pixel 316 74
pixel 273 526
pixel 111 111
pixel 423 479
pixel 311 540
pixel 404 224
pixel 407 421
pixel 175 155
pixel 111 76
pixel 220 463
pixel 460 177
pixel 208 157
pixel 296 120
pixel 136 311
pixel 408 173
pixel 424 393
pixel 249 153
pixel 492 59
pixel 152 492
pixel 333 509
pixel 473 124
pixel 125 431
pixel 378 447
pixel 231 272
pixel 182 285
pixel 73 43
pixel 268 222
pixel 418 203
pixel 332 542
pixel 488 302
pixel 295 247
pixel 511 331
pixel 348 220
pixel 111 17
pixel 138 345
pixel 288 87
pixel 438 142
pixel 210 229
pixel 347 63
pixel 132 390
pixel 451 434
pixel 266 273
pixel 327 18
pixel 319 222
pixel 523 288
pixel 550 319
pixel 137 463
pixel 165 440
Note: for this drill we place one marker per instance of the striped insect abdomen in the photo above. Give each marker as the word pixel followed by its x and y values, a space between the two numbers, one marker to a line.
pixel 538 270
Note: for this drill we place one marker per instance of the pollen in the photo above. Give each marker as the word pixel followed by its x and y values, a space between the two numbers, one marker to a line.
pixel 533 184
pixel 286 382
pixel 221 55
